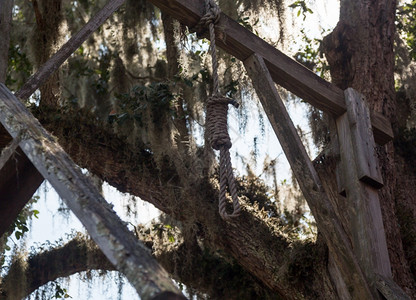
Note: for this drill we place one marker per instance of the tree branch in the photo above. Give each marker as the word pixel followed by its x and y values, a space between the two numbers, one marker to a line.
pixel 40 77
pixel 79 254
pixel 253 241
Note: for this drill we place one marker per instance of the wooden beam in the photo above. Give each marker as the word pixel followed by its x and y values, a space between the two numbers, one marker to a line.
pixel 19 180
pixel 389 289
pixel 358 163
pixel 242 43
pixel 53 64
pixel 367 166
pixel 308 180
pixel 120 246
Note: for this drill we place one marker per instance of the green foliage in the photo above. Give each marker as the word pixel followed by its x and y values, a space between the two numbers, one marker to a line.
pixel 60 293
pixel 303 8
pixel 311 55
pixel 102 72
pixel 298 225
pixel 256 191
pixel 134 106
pixel 161 229
pixel 19 67
pixel 406 25
pixel 244 21
pixel 19 226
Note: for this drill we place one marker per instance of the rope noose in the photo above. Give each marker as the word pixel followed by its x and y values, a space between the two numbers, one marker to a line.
pixel 216 120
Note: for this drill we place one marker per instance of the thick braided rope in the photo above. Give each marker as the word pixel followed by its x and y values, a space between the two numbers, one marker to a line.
pixel 216 121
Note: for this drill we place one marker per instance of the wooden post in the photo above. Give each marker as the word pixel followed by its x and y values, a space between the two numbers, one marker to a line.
pixel 118 244
pixel 360 179
pixel 329 225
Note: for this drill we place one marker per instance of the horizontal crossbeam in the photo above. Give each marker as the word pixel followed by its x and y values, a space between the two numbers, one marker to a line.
pixel 242 43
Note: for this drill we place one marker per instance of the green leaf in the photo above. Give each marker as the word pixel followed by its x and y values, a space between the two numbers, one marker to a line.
pixel 35 213
pixel 171 238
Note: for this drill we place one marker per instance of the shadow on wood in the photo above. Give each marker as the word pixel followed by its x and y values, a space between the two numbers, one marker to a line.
pixel 19 180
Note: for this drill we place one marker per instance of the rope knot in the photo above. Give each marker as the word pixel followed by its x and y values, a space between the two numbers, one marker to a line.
pixel 212 16
pixel 217 110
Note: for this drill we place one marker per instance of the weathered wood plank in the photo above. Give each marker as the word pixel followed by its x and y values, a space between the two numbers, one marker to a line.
pixel 120 246
pixel 364 213
pixel 389 289
pixel 362 138
pixel 53 64
pixel 308 180
pixel 336 277
pixel 19 180
pixel 240 42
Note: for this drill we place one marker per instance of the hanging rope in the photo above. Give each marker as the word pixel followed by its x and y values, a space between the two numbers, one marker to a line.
pixel 216 120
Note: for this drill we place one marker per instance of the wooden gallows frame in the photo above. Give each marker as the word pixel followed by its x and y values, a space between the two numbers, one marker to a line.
pixel 359 262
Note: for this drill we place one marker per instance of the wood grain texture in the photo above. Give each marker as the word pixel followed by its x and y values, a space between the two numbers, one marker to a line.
pixel 119 245
pixel 240 42
pixel 363 140
pixel 322 209
pixel 363 215
pixel 389 289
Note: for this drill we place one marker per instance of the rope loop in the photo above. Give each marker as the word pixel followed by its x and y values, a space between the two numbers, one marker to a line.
pixel 216 120
pixel 226 175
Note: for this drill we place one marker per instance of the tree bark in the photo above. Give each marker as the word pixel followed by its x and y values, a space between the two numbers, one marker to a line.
pixel 5 26
pixel 75 256
pixel 257 245
pixel 360 53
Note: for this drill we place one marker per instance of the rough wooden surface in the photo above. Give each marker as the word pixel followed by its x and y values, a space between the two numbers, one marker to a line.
pixel 19 179
pixel 119 245
pixel 36 80
pixel 364 214
pixel 308 180
pixel 240 42
pixel 362 138
pixel 336 277
pixel 389 289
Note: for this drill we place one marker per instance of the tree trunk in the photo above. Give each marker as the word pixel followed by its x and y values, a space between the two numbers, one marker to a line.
pixel 360 53
pixel 5 25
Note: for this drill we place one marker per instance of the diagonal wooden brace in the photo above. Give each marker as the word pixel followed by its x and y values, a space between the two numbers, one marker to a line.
pixel 53 64
pixel 120 246
pixel 322 209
